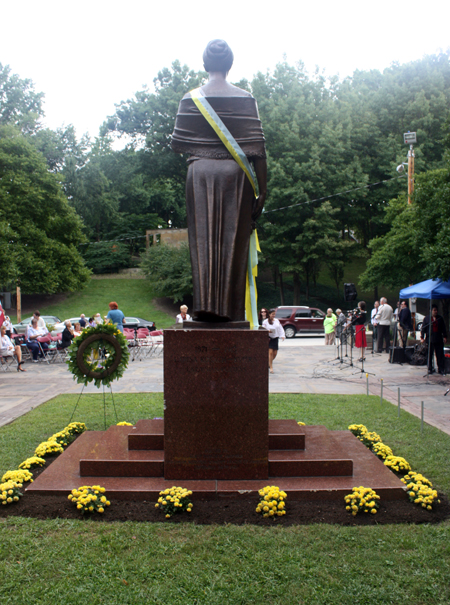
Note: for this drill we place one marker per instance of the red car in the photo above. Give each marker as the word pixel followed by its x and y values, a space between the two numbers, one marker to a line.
pixel 300 320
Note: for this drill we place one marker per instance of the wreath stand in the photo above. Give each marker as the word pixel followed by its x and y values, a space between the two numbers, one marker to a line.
pixel 105 367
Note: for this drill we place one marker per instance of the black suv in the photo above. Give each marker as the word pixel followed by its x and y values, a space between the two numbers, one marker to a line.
pixel 304 320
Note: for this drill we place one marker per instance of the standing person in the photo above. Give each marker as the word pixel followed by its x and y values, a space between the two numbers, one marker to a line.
pixel 98 319
pixel 397 311
pixel 7 349
pixel 275 332
pixel 83 321
pixel 437 340
pixel 263 315
pixel 374 322
pixel 116 316
pixel 329 324
pixel 384 317
pixel 183 315
pixel 359 321
pixel 40 321
pixel 405 325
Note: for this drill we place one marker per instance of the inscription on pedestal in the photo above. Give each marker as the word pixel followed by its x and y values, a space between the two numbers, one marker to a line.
pixel 216 404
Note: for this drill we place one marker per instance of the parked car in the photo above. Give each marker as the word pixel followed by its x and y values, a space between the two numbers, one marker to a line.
pixel 21 327
pixel 138 322
pixel 59 327
pixel 419 321
pixel 300 320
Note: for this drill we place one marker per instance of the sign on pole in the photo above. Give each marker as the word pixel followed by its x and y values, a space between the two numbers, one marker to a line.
pixel 410 138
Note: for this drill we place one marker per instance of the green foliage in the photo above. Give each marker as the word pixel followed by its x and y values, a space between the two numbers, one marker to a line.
pixel 418 243
pixel 432 197
pixel 106 257
pixel 44 232
pixel 169 270
pixel 20 106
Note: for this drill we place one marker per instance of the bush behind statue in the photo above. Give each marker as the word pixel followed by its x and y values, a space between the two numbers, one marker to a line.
pixel 169 270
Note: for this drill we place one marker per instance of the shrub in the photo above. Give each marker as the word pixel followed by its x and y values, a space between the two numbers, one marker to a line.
pixel 10 492
pixel 174 500
pixel 32 462
pixel 362 499
pixel 19 476
pixel 272 502
pixel 397 464
pixel 89 498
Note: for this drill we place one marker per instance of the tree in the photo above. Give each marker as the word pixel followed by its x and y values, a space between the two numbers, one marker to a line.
pixel 169 269
pixel 104 257
pixel 20 105
pixel 94 199
pixel 43 230
pixel 418 244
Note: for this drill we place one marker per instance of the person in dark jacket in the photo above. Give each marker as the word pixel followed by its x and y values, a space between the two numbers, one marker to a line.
pixel 404 324
pixel 437 340
pixel 67 335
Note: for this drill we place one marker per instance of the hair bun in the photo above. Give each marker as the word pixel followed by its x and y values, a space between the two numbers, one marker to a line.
pixel 218 56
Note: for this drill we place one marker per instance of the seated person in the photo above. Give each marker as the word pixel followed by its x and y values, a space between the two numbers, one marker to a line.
pixel 33 332
pixel 67 335
pixel 8 325
pixel 77 329
pixel 98 319
pixel 7 349
pixel 92 323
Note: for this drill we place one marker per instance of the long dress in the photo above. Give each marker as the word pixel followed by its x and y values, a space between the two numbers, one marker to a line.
pixel 219 200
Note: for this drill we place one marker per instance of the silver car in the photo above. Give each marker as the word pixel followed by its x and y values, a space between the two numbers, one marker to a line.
pixel 21 327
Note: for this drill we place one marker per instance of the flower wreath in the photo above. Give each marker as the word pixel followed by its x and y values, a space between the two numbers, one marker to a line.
pixel 84 358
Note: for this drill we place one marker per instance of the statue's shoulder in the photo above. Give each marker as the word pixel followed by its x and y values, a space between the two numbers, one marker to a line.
pixel 229 90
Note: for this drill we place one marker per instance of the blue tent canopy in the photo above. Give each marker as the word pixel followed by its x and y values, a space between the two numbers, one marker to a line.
pixel 431 289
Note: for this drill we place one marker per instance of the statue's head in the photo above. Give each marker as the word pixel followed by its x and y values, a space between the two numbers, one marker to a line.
pixel 218 56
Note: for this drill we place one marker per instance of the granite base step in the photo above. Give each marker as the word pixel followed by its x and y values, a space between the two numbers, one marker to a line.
pixel 63 475
pixel 283 435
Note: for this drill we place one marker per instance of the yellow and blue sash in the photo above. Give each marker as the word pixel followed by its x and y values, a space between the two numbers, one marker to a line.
pixel 237 154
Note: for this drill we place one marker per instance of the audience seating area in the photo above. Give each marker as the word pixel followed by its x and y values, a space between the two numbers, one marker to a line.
pixel 142 345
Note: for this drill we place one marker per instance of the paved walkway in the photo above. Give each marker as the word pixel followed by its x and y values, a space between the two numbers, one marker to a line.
pixel 303 365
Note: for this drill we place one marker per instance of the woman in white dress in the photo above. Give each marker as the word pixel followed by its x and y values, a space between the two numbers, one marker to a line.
pixel 275 333
pixel 8 349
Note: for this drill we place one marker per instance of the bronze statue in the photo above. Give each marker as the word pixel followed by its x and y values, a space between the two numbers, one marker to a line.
pixel 220 201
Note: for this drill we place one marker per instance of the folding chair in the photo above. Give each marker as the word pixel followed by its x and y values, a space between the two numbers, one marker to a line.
pixel 157 337
pixel 45 354
pixel 7 361
pixel 59 352
pixel 144 343
pixel 19 339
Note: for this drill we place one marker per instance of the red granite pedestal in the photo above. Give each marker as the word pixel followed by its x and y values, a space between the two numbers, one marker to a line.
pixel 216 404
pixel 216 439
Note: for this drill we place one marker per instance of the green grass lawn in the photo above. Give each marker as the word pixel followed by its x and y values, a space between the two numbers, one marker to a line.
pixel 134 297
pixel 82 561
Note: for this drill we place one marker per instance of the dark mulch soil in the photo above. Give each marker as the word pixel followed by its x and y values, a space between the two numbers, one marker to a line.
pixel 225 511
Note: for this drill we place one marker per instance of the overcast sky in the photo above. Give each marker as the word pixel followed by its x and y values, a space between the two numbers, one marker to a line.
pixel 88 55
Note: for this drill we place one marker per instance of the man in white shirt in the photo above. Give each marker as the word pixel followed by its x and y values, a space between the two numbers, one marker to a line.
pixel 374 322
pixel 384 317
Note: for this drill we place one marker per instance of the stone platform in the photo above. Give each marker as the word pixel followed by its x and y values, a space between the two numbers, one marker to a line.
pixel 308 463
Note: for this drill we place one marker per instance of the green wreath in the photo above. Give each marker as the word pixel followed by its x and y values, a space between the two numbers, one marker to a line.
pixel 99 354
